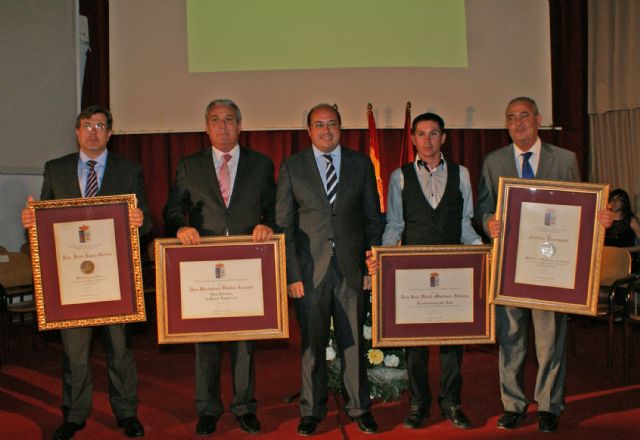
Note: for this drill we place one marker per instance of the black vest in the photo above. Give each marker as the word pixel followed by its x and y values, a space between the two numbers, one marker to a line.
pixel 422 223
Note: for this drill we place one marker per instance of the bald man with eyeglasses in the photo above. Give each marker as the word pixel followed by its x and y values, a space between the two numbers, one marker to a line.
pixel 528 157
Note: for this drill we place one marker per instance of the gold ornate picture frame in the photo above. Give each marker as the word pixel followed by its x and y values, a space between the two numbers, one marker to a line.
pixel 85 256
pixel 548 253
pixel 224 289
pixel 432 295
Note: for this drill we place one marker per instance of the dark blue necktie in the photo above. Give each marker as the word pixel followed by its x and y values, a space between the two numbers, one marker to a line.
pixel 527 171
pixel 91 188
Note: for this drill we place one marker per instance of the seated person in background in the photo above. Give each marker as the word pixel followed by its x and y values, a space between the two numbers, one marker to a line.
pixel 625 230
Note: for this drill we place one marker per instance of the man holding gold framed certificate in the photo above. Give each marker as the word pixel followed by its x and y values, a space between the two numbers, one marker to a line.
pixel 528 158
pixel 94 171
pixel 223 190
pixel 430 203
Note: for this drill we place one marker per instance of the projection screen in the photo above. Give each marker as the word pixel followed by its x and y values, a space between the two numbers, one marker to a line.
pixel 277 58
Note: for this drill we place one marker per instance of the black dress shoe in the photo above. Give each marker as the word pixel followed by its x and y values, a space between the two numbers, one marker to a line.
pixel 132 427
pixel 249 423
pixel 456 417
pixel 307 425
pixel 416 418
pixel 366 423
pixel 547 422
pixel 67 430
pixel 206 425
pixel 510 419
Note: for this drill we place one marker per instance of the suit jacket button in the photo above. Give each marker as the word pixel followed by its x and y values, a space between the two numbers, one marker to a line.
pixel 228 212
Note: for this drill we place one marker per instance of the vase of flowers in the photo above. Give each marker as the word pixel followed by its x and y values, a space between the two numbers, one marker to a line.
pixel 386 368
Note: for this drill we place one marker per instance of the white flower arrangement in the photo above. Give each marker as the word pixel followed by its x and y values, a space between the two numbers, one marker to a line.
pixel 385 367
pixel 391 361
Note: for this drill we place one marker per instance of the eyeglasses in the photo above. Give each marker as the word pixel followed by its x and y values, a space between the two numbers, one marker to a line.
pixel 98 126
pixel 219 120
pixel 321 124
pixel 516 118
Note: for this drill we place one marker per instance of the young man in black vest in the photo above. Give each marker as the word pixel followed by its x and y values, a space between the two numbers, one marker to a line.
pixel 429 202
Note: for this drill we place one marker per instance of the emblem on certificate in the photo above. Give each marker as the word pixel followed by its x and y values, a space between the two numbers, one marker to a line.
pixel 84 234
pixel 547 249
pixel 434 279
pixel 550 217
pixel 87 267
pixel 219 270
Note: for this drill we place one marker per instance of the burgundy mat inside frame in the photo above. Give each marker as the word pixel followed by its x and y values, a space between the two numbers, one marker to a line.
pixel 174 255
pixel 588 203
pixel 391 263
pixel 54 310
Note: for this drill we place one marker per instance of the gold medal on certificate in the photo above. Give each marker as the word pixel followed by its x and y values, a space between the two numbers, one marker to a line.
pixel 87 267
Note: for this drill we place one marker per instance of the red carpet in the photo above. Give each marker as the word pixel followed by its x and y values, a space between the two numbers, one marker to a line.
pixel 30 394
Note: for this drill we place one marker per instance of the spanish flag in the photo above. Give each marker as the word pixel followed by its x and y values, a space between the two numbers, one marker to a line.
pixel 374 153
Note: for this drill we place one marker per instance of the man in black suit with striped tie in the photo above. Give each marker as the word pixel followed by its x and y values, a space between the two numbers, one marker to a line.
pixel 96 171
pixel 327 204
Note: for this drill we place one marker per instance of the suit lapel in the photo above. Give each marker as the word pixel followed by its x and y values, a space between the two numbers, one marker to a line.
pixel 71 170
pixel 508 163
pixel 545 164
pixel 309 163
pixel 243 174
pixel 110 176
pixel 347 169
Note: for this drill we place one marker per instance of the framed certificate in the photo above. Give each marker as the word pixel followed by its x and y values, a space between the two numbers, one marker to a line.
pixel 85 255
pixel 432 295
pixel 224 289
pixel 548 254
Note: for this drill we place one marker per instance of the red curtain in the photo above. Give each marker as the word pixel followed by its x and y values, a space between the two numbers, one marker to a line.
pixel 160 153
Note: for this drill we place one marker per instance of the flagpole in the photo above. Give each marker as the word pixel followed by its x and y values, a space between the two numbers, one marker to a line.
pixel 406 149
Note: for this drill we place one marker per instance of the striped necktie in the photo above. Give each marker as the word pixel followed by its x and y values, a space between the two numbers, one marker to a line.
pixel 332 179
pixel 527 171
pixel 91 188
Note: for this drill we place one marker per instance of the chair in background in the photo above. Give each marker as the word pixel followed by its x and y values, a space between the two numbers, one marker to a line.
pixel 632 317
pixel 16 297
pixel 615 276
